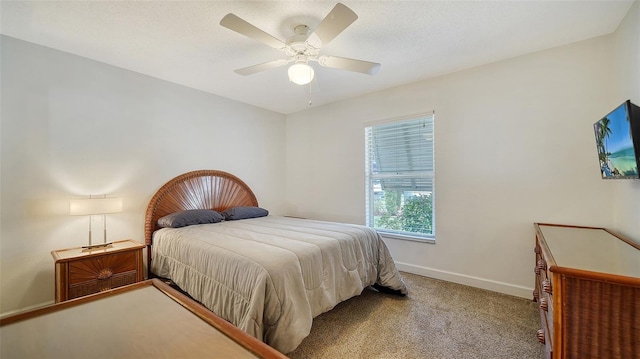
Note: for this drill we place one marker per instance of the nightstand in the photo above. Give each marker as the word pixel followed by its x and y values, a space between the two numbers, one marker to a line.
pixel 81 272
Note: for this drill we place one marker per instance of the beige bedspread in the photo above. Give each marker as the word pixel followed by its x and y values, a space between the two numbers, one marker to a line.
pixel 271 276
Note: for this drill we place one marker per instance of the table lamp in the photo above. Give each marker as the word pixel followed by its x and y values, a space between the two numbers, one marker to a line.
pixel 95 206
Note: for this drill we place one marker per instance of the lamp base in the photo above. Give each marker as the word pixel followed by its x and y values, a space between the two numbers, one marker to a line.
pixel 92 246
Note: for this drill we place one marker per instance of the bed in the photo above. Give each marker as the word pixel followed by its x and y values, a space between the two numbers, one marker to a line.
pixel 268 275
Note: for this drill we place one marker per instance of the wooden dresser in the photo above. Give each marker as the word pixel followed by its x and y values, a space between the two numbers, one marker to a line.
pixel 81 272
pixel 588 290
pixel 147 319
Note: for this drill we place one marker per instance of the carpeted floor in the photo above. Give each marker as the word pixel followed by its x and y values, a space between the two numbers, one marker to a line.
pixel 437 320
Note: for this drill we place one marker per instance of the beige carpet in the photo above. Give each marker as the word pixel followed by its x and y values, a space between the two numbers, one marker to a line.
pixel 438 320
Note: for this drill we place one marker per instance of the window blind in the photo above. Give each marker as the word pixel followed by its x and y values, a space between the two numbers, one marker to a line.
pixel 401 154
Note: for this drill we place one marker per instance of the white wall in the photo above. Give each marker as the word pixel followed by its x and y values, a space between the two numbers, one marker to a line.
pixel 73 127
pixel 514 146
pixel 626 52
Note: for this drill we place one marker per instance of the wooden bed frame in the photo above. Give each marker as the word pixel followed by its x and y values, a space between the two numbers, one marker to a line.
pixel 268 278
pixel 202 189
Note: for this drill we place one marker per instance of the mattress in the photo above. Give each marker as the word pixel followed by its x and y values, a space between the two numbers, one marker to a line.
pixel 271 276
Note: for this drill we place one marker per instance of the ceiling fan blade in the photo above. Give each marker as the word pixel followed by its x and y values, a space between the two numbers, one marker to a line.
pixel 232 22
pixel 342 63
pixel 333 24
pixel 261 67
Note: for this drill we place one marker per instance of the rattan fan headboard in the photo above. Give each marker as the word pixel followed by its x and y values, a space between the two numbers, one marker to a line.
pixel 203 189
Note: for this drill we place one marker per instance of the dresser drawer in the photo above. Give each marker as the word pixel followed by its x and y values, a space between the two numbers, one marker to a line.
pixel 545 335
pixel 543 295
pixel 545 307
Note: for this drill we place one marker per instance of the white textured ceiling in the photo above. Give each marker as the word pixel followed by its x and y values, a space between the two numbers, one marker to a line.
pixel 182 41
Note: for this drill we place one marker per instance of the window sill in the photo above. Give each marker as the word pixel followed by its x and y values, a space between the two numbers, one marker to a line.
pixel 386 235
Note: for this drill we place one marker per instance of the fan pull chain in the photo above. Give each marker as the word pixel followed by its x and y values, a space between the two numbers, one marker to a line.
pixel 310 94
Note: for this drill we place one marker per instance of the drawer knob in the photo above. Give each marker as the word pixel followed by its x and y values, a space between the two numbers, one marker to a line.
pixel 546 286
pixel 544 304
pixel 537 250
pixel 540 335
pixel 105 273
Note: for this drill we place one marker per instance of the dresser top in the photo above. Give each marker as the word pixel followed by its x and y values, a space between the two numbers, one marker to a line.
pixel 591 249
pixel 160 325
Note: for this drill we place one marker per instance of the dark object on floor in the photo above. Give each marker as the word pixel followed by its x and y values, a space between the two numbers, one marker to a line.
pixel 386 290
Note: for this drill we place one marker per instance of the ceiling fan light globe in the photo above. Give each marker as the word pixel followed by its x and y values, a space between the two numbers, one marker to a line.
pixel 300 74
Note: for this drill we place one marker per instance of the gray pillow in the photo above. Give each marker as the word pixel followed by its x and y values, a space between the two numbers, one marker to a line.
pixel 190 217
pixel 234 213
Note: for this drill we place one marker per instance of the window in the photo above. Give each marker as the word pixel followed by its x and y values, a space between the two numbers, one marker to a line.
pixel 400 175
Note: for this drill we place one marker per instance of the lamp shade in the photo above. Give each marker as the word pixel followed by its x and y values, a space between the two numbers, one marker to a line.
pixel 300 73
pixel 89 206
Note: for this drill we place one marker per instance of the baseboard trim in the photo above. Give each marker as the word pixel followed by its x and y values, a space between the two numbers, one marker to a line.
pixel 26 309
pixel 492 285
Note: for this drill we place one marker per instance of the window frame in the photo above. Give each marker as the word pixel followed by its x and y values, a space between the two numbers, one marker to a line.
pixel 370 177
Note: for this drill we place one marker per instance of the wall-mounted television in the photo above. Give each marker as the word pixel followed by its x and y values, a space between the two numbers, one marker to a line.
pixel 618 142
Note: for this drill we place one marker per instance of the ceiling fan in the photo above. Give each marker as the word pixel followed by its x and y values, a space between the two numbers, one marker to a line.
pixel 304 46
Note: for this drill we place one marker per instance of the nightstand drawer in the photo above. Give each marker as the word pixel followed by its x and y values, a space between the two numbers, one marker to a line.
pixel 101 285
pixel 101 268
pixel 90 276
